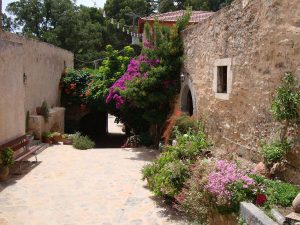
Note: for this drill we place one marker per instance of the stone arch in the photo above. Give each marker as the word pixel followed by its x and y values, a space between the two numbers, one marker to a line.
pixel 187 97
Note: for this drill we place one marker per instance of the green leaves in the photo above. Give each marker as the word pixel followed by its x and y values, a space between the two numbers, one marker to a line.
pixel 7 157
pixel 285 104
pixel 276 151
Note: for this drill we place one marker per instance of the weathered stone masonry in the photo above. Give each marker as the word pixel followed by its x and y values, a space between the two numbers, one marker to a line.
pixel 258 41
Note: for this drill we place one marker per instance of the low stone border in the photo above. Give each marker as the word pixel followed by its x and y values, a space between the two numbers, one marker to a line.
pixel 253 215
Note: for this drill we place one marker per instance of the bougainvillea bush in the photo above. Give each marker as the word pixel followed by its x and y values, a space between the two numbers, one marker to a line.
pixel 74 85
pixel 148 87
pixel 89 87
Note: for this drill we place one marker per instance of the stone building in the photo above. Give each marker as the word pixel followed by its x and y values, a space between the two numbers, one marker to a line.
pixel 30 73
pixel 234 61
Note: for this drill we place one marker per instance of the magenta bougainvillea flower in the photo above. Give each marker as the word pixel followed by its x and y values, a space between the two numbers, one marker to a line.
pixel 132 72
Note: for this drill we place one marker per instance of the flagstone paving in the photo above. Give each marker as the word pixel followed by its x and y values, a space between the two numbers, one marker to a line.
pixel 73 187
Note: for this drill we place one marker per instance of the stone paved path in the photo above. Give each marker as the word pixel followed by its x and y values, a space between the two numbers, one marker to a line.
pixel 72 187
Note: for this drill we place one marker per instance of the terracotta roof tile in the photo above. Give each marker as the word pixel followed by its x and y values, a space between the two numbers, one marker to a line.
pixel 196 17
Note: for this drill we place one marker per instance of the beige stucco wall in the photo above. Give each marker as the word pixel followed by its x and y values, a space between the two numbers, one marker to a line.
pixel 43 65
pixel 261 41
pixel 12 91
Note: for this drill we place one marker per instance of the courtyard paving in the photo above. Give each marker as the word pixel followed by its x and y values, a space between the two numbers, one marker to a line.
pixel 93 187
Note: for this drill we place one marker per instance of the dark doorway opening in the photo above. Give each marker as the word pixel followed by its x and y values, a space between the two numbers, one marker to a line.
pixel 97 124
pixel 189 104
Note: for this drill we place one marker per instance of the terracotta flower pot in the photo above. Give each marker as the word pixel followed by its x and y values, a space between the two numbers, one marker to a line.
pixel 296 204
pixel 56 139
pixel 67 142
pixel 38 110
pixel 46 140
pixel 4 172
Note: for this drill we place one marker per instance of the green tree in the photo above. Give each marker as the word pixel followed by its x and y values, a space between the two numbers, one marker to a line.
pixel 173 5
pixel 7 23
pixel 118 9
pixel 82 30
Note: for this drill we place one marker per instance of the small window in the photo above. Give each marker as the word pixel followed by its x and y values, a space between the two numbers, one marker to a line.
pixel 222 79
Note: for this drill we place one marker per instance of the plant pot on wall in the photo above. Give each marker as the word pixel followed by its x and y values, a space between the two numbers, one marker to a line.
pixel 39 111
pixel 47 140
pixel 4 172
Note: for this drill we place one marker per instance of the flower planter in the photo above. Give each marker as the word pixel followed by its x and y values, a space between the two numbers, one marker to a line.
pixel 55 139
pixel 67 141
pixel 4 172
pixel 39 111
pixel 47 140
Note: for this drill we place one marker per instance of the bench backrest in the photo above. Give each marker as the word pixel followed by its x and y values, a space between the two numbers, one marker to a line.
pixel 16 143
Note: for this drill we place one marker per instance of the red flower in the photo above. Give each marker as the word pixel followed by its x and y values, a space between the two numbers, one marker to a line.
pixel 260 199
pixel 73 86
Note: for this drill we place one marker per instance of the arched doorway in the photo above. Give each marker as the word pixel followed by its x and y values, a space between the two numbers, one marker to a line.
pixel 187 101
pixel 189 105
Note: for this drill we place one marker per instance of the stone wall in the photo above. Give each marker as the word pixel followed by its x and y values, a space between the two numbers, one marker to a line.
pixel 258 41
pixel 42 65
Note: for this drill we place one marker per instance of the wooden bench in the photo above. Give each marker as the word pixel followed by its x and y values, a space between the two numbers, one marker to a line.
pixel 21 143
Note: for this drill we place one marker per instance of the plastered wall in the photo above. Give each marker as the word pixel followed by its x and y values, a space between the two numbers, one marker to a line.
pixel 42 65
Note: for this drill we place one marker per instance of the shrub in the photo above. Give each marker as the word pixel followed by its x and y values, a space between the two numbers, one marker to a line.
pixel 276 151
pixel 45 111
pixel 184 123
pixel 47 134
pixel 194 200
pixel 229 185
pixel 277 192
pixel 285 104
pixel 82 142
pixel 7 157
pixel 167 174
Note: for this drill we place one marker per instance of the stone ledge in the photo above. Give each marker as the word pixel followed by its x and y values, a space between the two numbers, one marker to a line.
pixel 253 215
pixel 56 122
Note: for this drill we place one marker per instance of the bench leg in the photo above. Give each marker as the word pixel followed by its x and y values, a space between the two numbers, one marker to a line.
pixel 20 167
pixel 36 160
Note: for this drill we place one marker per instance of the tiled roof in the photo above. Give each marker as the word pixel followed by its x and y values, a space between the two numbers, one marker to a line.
pixel 196 16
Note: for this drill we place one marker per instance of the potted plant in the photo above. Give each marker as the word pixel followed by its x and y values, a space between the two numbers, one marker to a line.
pixel 47 137
pixel 56 137
pixel 6 161
pixel 38 111
pixel 45 111
pixel 66 139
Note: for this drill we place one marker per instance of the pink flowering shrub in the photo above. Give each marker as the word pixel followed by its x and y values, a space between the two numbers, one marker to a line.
pixel 229 185
pixel 134 70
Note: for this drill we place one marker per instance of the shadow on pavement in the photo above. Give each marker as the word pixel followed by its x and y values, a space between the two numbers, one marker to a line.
pixel 168 211
pixel 110 141
pixel 144 154
pixel 16 174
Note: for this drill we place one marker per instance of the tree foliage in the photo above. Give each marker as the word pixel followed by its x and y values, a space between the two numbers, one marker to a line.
pixel 82 30
pixel 173 5
pixel 89 87
pixel 151 81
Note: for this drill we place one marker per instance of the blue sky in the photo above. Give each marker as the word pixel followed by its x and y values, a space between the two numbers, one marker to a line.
pixel 99 3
